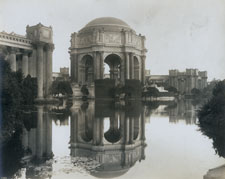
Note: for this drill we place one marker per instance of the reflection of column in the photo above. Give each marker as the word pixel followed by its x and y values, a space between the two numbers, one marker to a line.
pixel 25 138
pixel 143 69
pixel 25 63
pixel 97 132
pixel 39 145
pixel 74 125
pixel 40 70
pixel 127 66
pixel 33 140
pixel 142 126
pixel 12 59
pixel 131 131
pixel 122 125
pixel 127 130
pixel 94 131
pixel 49 135
pixel 131 66
pixel 101 131
pixel 50 48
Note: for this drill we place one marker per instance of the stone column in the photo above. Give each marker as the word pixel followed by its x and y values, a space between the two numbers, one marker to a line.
pixel 12 59
pixel 40 70
pixel 50 48
pixel 131 66
pixel 25 63
pixel 72 69
pixel 143 69
pixel 127 66
pixel 101 65
pixel 31 64
pixel 95 65
pixel 122 71
pixel 77 67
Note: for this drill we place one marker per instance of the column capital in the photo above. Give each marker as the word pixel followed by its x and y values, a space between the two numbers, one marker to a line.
pixel 26 52
pixel 39 44
pixel 50 47
pixel 13 50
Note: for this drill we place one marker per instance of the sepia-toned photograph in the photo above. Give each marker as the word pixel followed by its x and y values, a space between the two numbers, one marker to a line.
pixel 124 89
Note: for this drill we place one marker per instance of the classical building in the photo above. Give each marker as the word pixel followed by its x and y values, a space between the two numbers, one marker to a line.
pixel 158 79
pixel 62 75
pixel 111 41
pixel 186 81
pixel 31 53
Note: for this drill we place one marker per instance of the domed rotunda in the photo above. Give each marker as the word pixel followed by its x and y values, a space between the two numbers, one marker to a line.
pixel 107 41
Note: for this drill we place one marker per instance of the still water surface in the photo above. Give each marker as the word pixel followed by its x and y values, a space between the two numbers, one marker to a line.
pixel 105 140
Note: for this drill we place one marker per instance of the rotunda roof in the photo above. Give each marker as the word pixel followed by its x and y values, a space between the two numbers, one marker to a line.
pixel 107 21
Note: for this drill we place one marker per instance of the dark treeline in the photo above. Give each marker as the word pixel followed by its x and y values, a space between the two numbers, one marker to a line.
pixel 16 91
pixel 212 118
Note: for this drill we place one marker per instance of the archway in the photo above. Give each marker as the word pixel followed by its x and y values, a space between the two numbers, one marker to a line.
pixel 113 131
pixel 136 69
pixel 113 61
pixel 87 69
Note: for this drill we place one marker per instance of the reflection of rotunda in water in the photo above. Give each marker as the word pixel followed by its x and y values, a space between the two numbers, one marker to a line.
pixel 110 134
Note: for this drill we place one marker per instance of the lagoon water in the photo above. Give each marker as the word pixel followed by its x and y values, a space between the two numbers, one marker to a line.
pixel 103 139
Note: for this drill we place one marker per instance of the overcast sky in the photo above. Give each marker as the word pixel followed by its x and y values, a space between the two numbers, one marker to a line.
pixel 179 34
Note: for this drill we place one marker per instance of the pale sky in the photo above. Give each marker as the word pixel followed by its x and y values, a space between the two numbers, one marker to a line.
pixel 179 34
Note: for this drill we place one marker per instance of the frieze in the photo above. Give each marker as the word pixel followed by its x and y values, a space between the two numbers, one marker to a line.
pixel 85 40
pixel 112 38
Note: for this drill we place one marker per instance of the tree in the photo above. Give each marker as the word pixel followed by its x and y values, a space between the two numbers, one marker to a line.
pixel 29 91
pixel 84 90
pixel 212 118
pixel 171 89
pixel 195 92
pixel 61 87
pixel 152 92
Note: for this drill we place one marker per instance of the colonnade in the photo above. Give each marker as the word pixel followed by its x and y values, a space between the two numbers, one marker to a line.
pixel 38 139
pixel 36 62
pixel 124 128
pixel 125 70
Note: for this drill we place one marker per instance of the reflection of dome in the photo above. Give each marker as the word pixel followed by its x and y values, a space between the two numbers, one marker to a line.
pixel 107 21
pixel 110 173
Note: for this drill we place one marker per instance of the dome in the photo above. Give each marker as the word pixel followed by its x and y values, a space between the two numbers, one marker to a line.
pixel 107 21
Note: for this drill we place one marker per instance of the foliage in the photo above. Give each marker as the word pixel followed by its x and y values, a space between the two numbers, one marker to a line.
pixel 212 118
pixel 29 91
pixel 84 90
pixel 171 89
pixel 207 91
pixel 196 92
pixel 15 92
pixel 11 153
pixel 151 92
pixel 61 87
